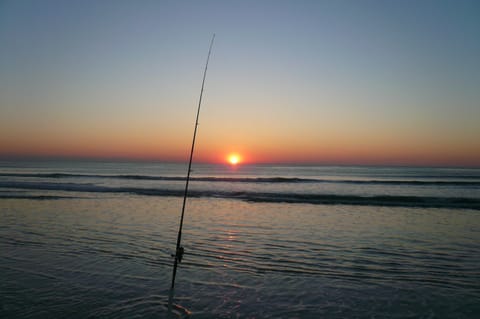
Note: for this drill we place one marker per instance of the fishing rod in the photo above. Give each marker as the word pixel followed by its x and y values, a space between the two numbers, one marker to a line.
pixel 179 251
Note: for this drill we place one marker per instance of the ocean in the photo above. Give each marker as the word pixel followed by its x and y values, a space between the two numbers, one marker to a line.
pixel 82 239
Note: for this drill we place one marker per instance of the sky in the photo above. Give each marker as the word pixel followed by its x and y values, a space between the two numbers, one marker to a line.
pixel 313 82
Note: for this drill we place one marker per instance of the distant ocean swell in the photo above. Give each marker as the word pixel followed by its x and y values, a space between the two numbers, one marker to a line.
pixel 319 199
pixel 474 183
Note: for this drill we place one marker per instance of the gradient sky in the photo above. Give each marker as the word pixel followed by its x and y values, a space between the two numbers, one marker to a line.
pixel 327 82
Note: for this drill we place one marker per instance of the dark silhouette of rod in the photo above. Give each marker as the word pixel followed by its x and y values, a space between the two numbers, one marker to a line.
pixel 179 249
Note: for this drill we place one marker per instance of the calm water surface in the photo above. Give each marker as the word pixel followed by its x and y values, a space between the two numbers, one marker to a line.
pixel 89 240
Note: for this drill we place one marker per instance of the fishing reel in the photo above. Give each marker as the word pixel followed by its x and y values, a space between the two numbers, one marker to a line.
pixel 179 254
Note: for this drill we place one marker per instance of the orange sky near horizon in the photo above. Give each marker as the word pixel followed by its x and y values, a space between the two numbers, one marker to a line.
pixel 252 146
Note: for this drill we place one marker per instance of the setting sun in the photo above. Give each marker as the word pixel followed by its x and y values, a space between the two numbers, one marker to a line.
pixel 233 159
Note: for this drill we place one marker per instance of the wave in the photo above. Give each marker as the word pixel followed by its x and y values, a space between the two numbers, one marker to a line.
pixel 260 197
pixel 35 197
pixel 247 179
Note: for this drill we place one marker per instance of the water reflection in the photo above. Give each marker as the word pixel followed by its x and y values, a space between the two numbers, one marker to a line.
pixel 112 253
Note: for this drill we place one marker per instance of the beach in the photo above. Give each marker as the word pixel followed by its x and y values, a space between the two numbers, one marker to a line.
pixel 72 249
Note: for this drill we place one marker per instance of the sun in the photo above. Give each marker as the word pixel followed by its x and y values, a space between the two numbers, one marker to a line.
pixel 233 159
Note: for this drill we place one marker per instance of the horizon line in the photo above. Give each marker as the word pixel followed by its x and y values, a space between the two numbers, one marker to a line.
pixel 120 159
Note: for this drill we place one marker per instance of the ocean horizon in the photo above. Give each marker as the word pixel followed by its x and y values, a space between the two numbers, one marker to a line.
pixel 88 239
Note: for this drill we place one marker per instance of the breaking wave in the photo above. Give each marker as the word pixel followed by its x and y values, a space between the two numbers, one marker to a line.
pixel 265 197
pixel 248 179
